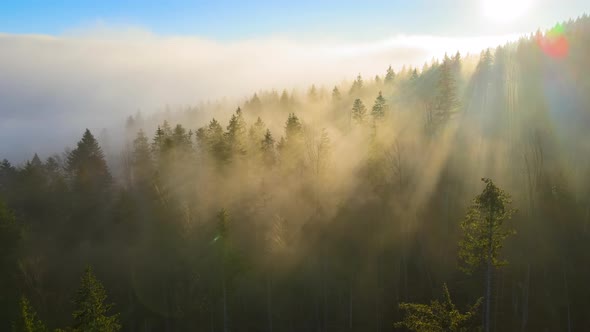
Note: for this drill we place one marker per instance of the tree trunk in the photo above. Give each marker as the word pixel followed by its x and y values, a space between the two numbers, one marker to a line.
pixel 488 295
pixel 525 295
pixel 225 317
pixel 269 304
pixel 489 275
pixel 350 308
pixel 567 299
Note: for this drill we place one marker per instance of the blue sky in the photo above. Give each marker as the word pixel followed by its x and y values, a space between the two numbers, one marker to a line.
pixel 236 20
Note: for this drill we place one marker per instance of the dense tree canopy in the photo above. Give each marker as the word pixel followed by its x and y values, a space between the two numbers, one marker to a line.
pixel 305 210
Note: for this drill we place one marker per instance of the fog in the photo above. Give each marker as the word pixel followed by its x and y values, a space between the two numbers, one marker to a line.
pixel 277 185
pixel 51 86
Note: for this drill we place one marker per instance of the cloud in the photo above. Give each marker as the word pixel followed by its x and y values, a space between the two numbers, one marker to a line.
pixel 53 87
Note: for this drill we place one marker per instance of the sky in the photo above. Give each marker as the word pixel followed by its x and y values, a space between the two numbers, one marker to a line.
pixel 70 65
pixel 236 20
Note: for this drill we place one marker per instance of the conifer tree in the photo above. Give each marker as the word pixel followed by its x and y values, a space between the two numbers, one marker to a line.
pixel 10 240
pixel 91 313
pixel 389 76
pixel 142 162
pixel 357 86
pixel 439 316
pixel 237 133
pixel 312 93
pixel 212 141
pixel 285 102
pixel 379 108
pixel 268 149
pixel 446 100
pixel 27 320
pixel 87 165
pixel 359 111
pixel 484 233
pixel 257 131
pixel 336 97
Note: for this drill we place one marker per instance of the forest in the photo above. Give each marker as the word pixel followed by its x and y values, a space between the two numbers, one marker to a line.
pixel 452 197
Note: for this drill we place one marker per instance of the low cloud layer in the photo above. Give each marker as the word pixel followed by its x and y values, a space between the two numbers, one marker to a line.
pixel 51 88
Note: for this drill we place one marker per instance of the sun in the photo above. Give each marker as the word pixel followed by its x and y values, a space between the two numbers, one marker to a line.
pixel 505 11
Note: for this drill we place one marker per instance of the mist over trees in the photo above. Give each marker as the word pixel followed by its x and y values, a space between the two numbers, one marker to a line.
pixel 353 207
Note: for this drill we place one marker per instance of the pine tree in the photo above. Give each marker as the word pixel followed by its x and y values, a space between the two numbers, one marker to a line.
pixel 336 97
pixel 312 94
pixel 181 139
pixel 237 133
pixel 379 108
pixel 91 312
pixel 438 316
pixel 484 234
pixel 357 86
pixel 142 162
pixel 359 111
pixel 254 103
pixel 27 320
pixel 256 132
pixel 446 100
pixel 285 102
pixel 212 141
pixel 268 149
pixel 389 76
pixel 293 129
pixel 10 240
pixel 87 166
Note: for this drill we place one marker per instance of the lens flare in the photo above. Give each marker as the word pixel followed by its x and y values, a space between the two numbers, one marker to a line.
pixel 554 43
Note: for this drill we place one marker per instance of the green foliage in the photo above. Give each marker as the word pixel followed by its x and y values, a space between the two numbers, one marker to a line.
pixel 446 99
pixel 268 149
pixel 389 76
pixel 28 320
pixel 212 142
pixel 87 165
pixel 483 228
pixel 438 316
pixel 142 162
pixel 359 111
pixel 379 108
pixel 236 134
pixel 91 311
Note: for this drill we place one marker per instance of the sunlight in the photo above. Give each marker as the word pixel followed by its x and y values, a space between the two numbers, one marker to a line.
pixel 504 11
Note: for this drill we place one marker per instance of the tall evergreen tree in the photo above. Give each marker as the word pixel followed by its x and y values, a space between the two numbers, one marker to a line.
pixel 237 133
pixel 27 320
pixel 142 162
pixel 10 240
pixel 268 149
pixel 359 111
pixel 357 86
pixel 389 76
pixel 439 316
pixel 446 100
pixel 336 96
pixel 379 108
pixel 87 166
pixel 91 313
pixel 484 233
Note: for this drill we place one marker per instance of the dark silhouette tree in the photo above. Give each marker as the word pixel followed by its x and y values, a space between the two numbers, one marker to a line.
pixel 87 166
